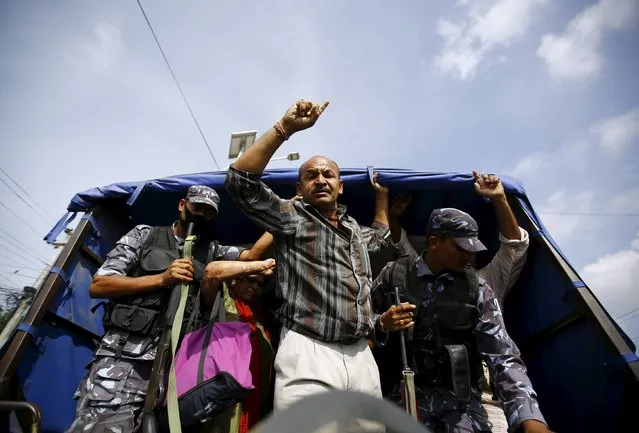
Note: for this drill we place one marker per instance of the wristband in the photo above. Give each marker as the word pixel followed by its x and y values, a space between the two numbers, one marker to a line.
pixel 280 131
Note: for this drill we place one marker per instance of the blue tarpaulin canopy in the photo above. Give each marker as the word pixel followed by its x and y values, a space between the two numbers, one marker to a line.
pixel 581 376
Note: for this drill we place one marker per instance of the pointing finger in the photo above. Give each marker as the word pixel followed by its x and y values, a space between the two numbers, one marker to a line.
pixel 323 107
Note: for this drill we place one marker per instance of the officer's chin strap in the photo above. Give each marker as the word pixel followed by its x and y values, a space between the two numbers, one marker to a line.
pixel 172 399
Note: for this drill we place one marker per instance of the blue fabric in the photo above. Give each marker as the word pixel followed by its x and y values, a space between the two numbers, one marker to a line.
pixel 59 271
pixel 567 368
pixel 59 227
pixel 96 229
pixel 179 184
pixel 31 330
pixel 50 374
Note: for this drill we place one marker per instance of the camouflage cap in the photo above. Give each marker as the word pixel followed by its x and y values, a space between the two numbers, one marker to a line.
pixel 203 194
pixel 460 226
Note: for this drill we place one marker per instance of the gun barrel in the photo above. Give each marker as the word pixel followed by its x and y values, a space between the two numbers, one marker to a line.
pixel 402 338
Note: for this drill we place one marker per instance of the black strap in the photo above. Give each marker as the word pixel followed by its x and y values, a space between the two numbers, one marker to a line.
pixel 218 306
pixel 122 339
pixel 460 370
pixel 473 284
pixel 218 312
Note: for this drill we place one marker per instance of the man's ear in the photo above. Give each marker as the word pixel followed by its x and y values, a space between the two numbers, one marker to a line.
pixel 341 187
pixel 432 241
pixel 298 188
pixel 181 205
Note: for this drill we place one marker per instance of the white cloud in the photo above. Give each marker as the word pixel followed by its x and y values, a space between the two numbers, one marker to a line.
pixel 488 24
pixel 617 134
pixel 613 278
pixel 529 166
pixel 104 47
pixel 558 209
pixel 614 136
pixel 575 54
pixel 626 201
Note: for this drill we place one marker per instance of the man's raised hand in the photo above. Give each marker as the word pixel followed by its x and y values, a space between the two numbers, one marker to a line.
pixel 301 115
pixel 379 188
pixel 488 185
pixel 399 205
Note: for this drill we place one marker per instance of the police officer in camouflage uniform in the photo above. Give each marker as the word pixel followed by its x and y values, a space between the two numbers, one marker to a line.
pixel 137 277
pixel 457 322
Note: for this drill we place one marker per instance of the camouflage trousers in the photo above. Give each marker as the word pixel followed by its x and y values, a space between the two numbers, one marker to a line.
pixel 111 397
pixel 441 411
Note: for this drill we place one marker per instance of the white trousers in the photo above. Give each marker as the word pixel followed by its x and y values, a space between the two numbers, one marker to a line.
pixel 304 366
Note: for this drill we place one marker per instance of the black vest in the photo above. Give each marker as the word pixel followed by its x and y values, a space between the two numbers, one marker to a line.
pixel 442 345
pixel 144 314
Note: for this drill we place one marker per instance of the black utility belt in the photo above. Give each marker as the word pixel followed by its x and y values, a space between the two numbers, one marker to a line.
pixel 133 318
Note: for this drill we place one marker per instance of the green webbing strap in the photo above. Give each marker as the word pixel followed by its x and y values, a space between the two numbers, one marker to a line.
pixel 172 400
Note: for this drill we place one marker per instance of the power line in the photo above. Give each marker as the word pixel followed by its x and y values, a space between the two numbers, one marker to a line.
pixel 16 242
pixel 12 284
pixel 12 251
pixel 166 60
pixel 17 273
pixel 19 267
pixel 627 314
pixel 24 201
pixel 27 194
pixel 21 219
pixel 13 260
pixel 590 214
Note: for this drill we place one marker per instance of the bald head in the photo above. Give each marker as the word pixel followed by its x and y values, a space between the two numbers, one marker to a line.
pixel 317 162
pixel 319 182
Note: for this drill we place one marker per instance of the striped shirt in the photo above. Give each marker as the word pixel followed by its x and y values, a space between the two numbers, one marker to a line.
pixel 323 272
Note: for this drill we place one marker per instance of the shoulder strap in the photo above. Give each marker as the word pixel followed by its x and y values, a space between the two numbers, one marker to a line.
pixel 152 238
pixel 404 276
pixel 161 237
pixel 473 284
pixel 218 312
pixel 172 401
pixel 399 274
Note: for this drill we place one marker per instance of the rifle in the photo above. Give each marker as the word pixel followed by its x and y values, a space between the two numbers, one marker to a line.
pixel 156 389
pixel 408 376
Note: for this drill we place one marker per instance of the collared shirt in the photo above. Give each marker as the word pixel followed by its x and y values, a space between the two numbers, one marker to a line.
pixel 502 271
pixel 323 272
pixel 493 342
pixel 124 258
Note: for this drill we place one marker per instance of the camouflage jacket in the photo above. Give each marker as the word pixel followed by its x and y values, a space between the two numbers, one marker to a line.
pixel 493 342
pixel 124 260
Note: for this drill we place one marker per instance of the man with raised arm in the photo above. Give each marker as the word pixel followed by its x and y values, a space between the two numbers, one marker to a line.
pixel 504 269
pixel 323 267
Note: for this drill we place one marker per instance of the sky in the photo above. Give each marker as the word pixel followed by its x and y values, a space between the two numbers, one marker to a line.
pixel 546 91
